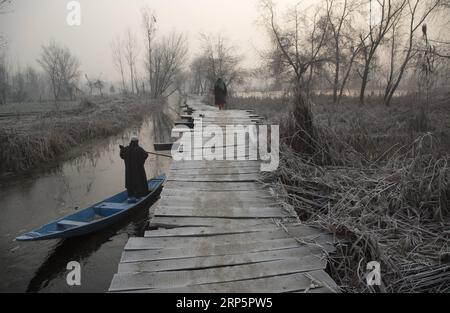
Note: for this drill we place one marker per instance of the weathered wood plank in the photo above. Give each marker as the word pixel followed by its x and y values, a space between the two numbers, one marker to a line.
pixel 138 243
pixel 217 171
pixel 141 243
pixel 218 203
pixel 292 283
pixel 165 221
pixel 220 212
pixel 213 178
pixel 197 263
pixel 211 250
pixel 216 164
pixel 212 186
pixel 185 194
pixel 149 280
pixel 208 231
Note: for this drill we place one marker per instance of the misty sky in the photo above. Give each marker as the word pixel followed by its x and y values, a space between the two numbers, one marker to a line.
pixel 31 23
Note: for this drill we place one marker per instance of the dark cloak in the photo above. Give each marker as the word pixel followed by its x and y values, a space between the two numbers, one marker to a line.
pixel 220 92
pixel 135 177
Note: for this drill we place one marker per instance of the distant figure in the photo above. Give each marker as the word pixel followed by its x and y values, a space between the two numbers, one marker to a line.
pixel 220 93
pixel 135 178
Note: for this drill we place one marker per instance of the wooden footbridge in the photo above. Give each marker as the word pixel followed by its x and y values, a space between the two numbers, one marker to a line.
pixel 217 229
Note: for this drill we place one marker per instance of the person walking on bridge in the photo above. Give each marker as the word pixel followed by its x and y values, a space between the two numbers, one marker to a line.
pixel 135 177
pixel 220 93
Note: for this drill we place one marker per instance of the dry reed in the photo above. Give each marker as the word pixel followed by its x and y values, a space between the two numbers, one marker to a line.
pixel 388 205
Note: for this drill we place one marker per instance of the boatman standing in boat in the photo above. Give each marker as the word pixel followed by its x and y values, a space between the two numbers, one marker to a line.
pixel 135 178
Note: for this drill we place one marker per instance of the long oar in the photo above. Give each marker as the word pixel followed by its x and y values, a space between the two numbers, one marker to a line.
pixel 159 154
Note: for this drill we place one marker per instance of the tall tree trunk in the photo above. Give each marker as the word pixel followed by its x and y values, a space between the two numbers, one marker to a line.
pixel 362 93
pixel 336 75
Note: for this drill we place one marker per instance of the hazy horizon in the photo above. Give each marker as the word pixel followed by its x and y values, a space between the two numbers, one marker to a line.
pixel 29 24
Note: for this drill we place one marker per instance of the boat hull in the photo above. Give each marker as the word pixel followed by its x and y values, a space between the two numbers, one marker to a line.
pixel 78 223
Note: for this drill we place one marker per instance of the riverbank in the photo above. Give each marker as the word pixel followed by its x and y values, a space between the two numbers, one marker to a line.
pixel 375 180
pixel 27 140
pixel 80 177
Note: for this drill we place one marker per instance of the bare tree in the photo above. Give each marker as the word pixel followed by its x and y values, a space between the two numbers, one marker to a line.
pixel 418 12
pixel 339 16
pixel 199 75
pixel 168 58
pixel 316 39
pixel 99 85
pixel 89 83
pixel 221 60
pixel 290 57
pixel 95 84
pixel 32 83
pixel 18 92
pixel 390 12
pixel 62 69
pixel 118 58
pixel 289 54
pixel 149 24
pixel 131 56
pixel 4 79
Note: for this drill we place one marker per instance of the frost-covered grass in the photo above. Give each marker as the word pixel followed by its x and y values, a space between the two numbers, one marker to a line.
pixel 28 141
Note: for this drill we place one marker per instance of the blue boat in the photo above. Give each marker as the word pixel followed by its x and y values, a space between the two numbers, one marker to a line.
pixel 95 217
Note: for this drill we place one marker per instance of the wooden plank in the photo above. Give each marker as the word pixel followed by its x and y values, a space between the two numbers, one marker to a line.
pixel 213 177
pixel 220 212
pixel 165 221
pixel 216 164
pixel 212 186
pixel 141 243
pixel 208 231
pixel 217 203
pixel 211 156
pixel 224 178
pixel 216 171
pixel 213 250
pixel 149 280
pixel 200 206
pixel 298 283
pixel 193 165
pixel 183 194
pixel 200 130
pixel 197 263
pixel 295 231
